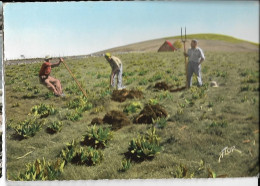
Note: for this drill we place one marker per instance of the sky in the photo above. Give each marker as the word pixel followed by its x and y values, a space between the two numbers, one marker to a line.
pixel 38 29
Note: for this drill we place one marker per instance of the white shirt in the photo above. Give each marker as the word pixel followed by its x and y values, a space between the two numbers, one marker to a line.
pixel 115 63
pixel 195 54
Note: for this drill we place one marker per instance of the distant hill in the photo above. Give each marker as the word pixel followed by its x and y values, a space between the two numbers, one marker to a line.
pixel 208 42
pixel 218 37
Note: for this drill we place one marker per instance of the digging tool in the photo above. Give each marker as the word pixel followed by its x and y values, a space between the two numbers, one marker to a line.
pixel 185 58
pixel 84 93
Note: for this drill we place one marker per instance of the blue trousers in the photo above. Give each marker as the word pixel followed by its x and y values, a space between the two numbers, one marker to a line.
pixel 194 67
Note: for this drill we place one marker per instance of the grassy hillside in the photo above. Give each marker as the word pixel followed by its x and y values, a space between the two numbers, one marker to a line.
pixel 208 42
pixel 201 122
pixel 219 37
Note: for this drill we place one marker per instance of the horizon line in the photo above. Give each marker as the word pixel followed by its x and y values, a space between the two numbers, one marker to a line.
pixel 165 37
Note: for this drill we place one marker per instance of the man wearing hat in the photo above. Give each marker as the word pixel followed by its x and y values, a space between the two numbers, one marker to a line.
pixel 45 78
pixel 196 57
pixel 117 69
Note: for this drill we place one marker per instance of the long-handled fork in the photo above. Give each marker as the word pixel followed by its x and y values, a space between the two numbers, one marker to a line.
pixel 185 58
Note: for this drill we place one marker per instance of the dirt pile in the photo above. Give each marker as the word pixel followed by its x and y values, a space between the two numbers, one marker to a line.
pixel 162 86
pixel 117 119
pixel 149 113
pixel 97 121
pixel 165 86
pixel 122 95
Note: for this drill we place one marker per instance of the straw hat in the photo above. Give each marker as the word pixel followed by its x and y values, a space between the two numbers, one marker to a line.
pixel 213 84
pixel 47 57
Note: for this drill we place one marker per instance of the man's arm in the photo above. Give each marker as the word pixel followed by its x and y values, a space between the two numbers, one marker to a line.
pixel 57 64
pixel 201 60
pixel 202 57
pixel 111 78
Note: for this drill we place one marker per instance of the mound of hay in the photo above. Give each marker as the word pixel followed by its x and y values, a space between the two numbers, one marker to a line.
pixel 161 86
pixel 97 121
pixel 149 113
pixel 122 95
pixel 117 119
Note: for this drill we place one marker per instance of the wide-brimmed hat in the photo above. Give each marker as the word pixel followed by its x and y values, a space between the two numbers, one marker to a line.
pixel 213 84
pixel 47 57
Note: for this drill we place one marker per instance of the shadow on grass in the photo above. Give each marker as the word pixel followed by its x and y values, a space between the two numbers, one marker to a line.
pixel 129 156
pixel 50 131
pixel 29 97
pixel 91 143
pixel 170 140
pixel 17 137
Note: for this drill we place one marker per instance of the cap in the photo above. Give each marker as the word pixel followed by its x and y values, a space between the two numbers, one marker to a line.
pixel 107 55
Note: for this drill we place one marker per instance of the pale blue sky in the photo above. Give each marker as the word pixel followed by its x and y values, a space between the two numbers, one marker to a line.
pixel 76 28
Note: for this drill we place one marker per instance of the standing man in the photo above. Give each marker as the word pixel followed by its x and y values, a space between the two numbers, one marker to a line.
pixel 196 57
pixel 117 69
pixel 45 78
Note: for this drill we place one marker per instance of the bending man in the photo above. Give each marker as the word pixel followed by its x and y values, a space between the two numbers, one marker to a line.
pixel 44 75
pixel 117 69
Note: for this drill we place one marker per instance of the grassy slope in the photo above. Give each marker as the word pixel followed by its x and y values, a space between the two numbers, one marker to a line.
pixel 187 138
pixel 219 37
pixel 153 45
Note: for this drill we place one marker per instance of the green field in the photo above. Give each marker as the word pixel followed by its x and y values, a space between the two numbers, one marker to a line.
pixel 201 122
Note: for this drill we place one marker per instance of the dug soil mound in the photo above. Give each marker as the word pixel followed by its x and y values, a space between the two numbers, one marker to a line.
pixel 117 119
pixel 122 95
pixel 149 113
pixel 97 121
pixel 165 86
pixel 162 86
